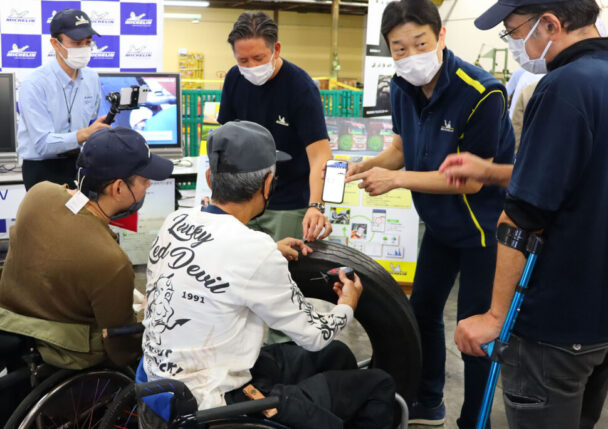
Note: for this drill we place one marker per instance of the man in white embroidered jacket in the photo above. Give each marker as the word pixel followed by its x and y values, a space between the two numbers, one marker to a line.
pixel 213 282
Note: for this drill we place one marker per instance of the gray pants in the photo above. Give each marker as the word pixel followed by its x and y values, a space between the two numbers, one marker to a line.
pixel 547 386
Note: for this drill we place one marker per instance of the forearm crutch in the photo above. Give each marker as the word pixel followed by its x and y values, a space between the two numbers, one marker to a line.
pixel 530 245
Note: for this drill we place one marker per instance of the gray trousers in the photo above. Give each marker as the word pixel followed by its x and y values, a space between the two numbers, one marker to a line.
pixel 547 386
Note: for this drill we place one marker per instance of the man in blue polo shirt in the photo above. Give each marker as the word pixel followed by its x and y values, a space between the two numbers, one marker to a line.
pixel 269 90
pixel 59 103
pixel 442 105
pixel 555 371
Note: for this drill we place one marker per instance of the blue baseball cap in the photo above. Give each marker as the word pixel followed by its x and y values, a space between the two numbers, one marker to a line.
pixel 74 23
pixel 499 12
pixel 118 153
pixel 242 147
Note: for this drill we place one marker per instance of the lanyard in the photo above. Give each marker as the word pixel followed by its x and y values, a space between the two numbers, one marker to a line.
pixel 69 108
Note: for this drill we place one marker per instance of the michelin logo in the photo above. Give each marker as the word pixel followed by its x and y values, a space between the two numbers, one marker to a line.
pixel 101 18
pixel 138 52
pixel 20 17
pixel 138 20
pixel 81 20
pixel 22 52
pixel 48 21
pixel 447 127
pixel 97 52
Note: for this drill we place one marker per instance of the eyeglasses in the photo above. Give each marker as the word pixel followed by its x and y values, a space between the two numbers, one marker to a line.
pixel 504 34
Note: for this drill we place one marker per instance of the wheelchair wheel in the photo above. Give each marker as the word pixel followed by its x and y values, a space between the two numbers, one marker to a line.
pixel 122 413
pixel 69 399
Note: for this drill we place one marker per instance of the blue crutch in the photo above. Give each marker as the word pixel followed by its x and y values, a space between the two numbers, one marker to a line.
pixel 530 245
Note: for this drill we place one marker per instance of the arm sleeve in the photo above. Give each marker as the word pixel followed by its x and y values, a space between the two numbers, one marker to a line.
pixel 310 117
pixel 483 130
pixel 395 108
pixel 226 113
pixel 555 148
pixel 97 102
pixel 277 299
pixel 112 304
pixel 39 124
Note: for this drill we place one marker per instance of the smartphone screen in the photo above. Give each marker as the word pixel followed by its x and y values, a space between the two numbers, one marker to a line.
pixel 335 175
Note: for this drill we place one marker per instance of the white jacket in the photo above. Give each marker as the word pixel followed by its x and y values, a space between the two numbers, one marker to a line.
pixel 212 283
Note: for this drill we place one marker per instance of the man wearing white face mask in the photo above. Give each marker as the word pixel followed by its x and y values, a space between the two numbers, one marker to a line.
pixel 269 90
pixel 555 369
pixel 442 105
pixel 59 103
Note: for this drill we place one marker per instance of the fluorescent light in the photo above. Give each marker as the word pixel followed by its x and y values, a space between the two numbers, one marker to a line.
pixel 183 3
pixel 183 15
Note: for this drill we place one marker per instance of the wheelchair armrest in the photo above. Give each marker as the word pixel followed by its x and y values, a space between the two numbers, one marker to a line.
pixel 162 386
pixel 237 409
pixel 135 328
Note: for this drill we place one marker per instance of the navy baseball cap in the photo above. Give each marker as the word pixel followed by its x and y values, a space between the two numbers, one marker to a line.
pixel 118 153
pixel 74 23
pixel 497 13
pixel 242 147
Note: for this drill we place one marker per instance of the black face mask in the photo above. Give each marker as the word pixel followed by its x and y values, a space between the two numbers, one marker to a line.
pixel 273 185
pixel 131 209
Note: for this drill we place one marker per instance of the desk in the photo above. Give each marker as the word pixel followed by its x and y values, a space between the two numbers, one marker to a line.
pixel 11 178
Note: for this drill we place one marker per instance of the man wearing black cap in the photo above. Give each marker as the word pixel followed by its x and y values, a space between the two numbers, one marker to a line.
pixel 59 103
pixel 555 372
pixel 65 277
pixel 213 283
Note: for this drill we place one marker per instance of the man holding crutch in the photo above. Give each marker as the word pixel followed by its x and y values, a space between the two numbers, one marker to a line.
pixel 555 369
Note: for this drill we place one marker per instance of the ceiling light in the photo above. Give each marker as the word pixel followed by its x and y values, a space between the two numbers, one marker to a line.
pixel 184 3
pixel 192 16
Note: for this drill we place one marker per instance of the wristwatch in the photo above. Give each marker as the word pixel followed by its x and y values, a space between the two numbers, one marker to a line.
pixel 319 206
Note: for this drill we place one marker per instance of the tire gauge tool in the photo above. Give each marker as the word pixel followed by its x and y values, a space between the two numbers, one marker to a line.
pixel 333 275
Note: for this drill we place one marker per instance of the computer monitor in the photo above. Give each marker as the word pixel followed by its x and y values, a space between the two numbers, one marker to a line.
pixel 8 119
pixel 159 119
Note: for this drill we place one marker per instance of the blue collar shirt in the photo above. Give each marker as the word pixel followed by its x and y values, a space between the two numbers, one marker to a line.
pixel 53 108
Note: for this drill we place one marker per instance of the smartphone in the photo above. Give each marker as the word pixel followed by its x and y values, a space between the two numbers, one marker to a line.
pixel 335 175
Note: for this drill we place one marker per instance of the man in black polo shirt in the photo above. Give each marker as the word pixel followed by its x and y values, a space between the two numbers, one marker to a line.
pixel 555 372
pixel 268 90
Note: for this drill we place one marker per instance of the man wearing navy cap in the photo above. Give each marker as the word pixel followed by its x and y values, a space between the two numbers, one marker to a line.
pixel 65 277
pixel 213 283
pixel 59 104
pixel 555 371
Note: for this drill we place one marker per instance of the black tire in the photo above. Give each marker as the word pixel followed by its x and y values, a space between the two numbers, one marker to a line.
pixel 383 310
pixel 69 396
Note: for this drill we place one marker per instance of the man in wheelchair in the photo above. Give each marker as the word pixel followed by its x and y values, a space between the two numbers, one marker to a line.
pixel 213 282
pixel 65 277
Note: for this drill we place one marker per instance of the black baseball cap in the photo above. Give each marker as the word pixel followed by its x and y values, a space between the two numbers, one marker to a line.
pixel 242 147
pixel 497 13
pixel 118 153
pixel 74 23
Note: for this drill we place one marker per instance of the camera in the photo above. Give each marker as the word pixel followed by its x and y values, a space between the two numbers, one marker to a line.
pixel 127 99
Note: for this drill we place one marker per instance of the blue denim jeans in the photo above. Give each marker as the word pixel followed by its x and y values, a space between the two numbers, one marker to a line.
pixel 438 266
pixel 546 386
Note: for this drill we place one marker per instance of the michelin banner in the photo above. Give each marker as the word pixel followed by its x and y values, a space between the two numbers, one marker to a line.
pixel 131 34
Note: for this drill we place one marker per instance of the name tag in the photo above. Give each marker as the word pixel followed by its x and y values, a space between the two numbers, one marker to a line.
pixel 77 202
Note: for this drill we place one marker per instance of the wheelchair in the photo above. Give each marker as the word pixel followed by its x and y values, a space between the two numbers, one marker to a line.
pixel 383 311
pixel 37 395
pixel 174 407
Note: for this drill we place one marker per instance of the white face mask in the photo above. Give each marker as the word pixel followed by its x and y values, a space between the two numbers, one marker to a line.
pixel 518 49
pixel 419 69
pixel 77 57
pixel 258 75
